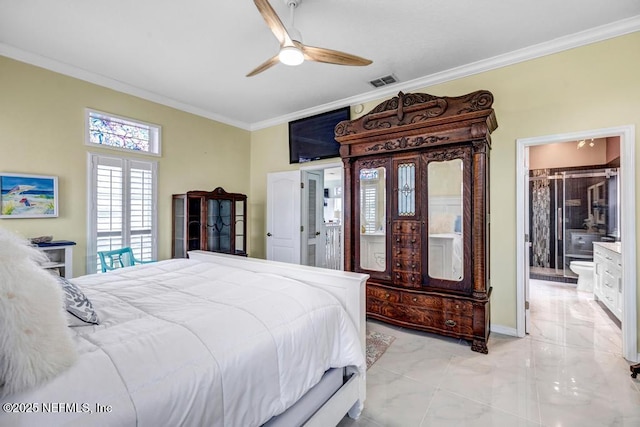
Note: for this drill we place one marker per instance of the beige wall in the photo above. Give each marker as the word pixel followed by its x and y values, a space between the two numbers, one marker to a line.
pixel 591 87
pixel 42 132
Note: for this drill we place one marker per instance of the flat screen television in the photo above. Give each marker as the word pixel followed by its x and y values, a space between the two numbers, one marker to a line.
pixel 312 138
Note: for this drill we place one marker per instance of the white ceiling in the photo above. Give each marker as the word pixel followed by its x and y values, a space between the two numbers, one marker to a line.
pixel 194 54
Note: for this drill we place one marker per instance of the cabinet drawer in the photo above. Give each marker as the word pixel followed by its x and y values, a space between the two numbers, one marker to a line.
pixel 407 227
pixel 382 294
pixel 421 317
pixel 410 265
pixel 406 240
pixel 406 253
pixel 449 305
pixel 409 279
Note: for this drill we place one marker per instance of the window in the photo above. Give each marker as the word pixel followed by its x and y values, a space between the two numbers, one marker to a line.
pixel 122 207
pixel 109 131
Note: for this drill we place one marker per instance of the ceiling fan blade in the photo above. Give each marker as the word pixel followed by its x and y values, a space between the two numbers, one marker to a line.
pixel 319 54
pixel 273 22
pixel 265 65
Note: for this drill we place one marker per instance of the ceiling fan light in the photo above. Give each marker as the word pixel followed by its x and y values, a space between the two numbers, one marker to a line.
pixel 291 55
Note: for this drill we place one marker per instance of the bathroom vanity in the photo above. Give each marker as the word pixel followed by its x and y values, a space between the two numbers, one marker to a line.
pixel 607 275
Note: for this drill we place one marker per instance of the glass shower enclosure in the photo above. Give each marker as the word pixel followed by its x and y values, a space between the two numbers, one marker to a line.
pixel 569 210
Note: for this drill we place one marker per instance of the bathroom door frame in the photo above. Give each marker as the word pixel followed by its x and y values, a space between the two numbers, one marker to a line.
pixel 627 223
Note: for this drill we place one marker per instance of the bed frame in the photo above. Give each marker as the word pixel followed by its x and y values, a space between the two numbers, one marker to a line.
pixel 349 289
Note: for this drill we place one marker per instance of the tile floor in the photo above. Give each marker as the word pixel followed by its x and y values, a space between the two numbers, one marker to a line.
pixel 567 372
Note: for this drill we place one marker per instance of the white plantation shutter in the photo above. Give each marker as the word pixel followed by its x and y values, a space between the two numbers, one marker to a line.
pixel 122 207
pixel 141 210
pixel 370 199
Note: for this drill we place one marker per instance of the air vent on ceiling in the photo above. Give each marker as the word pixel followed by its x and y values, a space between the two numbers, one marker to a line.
pixel 382 81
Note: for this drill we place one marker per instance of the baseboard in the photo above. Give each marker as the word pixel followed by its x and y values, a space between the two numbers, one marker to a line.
pixel 504 330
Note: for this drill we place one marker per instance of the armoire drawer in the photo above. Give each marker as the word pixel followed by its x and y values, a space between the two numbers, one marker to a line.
pixel 409 265
pixel 406 227
pixel 406 253
pixel 422 318
pixel 411 279
pixel 382 294
pixel 449 305
pixel 406 240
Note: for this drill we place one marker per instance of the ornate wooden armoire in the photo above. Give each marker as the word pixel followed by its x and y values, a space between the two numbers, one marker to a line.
pixel 417 211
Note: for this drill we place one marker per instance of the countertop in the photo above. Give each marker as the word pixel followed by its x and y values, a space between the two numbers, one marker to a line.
pixel 612 246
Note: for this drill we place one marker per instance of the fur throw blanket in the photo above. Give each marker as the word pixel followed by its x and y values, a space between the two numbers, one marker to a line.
pixel 35 342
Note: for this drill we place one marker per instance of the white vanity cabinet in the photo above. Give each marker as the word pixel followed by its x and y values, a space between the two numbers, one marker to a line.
pixel 608 276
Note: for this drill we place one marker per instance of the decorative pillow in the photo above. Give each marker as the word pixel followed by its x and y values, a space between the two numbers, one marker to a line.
pixel 76 303
pixel 35 342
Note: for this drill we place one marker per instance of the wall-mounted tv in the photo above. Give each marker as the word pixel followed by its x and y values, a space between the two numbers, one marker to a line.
pixel 313 138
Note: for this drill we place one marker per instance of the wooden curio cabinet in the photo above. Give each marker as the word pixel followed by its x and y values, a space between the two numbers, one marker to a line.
pixel 417 211
pixel 209 221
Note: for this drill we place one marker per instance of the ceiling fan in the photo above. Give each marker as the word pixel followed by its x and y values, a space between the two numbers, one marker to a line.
pixel 292 51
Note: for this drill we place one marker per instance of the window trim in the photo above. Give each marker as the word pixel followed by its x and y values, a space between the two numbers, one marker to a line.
pixel 92 205
pixel 155 145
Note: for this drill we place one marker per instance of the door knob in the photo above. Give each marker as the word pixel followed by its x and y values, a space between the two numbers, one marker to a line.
pixel 317 233
pixel 269 234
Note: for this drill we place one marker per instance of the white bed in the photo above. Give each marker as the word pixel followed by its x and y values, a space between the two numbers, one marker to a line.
pixel 213 340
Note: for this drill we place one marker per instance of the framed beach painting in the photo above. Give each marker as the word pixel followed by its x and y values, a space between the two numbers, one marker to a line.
pixel 28 196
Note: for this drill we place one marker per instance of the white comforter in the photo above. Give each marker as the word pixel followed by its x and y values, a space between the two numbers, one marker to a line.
pixel 189 343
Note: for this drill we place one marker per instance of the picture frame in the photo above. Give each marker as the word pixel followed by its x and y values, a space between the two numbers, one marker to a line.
pixel 28 196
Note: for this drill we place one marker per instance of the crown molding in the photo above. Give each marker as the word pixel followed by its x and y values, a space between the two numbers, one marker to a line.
pixel 593 35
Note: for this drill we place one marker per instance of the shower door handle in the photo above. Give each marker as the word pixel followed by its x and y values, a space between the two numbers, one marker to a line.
pixel 559 224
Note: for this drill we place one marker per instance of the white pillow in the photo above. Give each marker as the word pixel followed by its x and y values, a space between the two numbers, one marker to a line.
pixel 35 342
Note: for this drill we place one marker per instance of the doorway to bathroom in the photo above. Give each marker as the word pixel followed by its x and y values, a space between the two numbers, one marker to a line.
pixel 570 208
pixel 588 202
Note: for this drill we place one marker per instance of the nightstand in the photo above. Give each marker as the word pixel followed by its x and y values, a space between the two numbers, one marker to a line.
pixel 60 254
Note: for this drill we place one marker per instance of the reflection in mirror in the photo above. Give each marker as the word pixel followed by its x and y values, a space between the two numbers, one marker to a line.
pixel 445 220
pixel 372 219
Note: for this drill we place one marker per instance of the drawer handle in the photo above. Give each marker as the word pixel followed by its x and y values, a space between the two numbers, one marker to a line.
pixel 397 276
pixel 413 279
pixel 413 266
pixel 398 240
pixel 386 296
pixel 413 228
pixel 413 240
pixel 450 322
pixel 414 299
pixel 397 264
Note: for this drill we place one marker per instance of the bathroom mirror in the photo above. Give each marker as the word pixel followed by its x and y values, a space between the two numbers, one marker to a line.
pixel 372 219
pixel 445 219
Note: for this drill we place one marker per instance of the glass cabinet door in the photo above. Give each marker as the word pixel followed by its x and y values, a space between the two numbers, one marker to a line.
pixel 373 202
pixel 179 227
pixel 194 223
pixel 219 223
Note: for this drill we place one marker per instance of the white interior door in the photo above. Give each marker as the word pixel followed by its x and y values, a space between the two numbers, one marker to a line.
pixel 313 233
pixel 283 216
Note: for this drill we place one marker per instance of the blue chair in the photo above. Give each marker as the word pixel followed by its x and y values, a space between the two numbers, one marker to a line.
pixel 117 258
